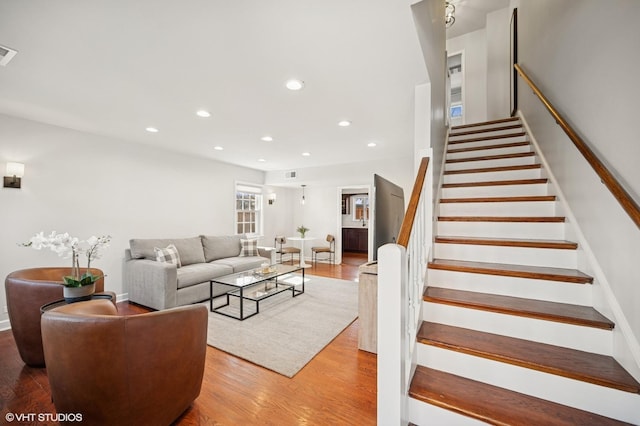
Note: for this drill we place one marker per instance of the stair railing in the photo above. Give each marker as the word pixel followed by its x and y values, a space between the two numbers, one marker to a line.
pixel 401 278
pixel 624 198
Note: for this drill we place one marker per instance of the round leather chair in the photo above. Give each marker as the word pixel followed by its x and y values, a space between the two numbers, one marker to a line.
pixel 27 290
pixel 124 370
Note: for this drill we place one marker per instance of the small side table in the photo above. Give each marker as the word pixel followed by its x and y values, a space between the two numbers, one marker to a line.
pixel 302 240
pixel 108 295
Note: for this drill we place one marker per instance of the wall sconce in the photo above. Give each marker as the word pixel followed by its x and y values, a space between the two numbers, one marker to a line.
pixel 15 171
pixel 303 199
pixel 272 198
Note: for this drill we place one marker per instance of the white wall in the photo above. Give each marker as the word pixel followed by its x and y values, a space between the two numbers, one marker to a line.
pixel 474 66
pixel 427 16
pixel 321 212
pixel 579 53
pixel 90 185
pixel 498 64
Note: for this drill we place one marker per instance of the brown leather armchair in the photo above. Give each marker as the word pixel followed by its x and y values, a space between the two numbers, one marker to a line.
pixel 27 290
pixel 124 370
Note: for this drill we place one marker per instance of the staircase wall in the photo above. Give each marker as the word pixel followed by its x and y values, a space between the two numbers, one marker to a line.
pixel 578 53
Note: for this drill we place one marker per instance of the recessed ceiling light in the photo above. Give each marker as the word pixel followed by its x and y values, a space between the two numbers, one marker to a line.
pixel 306 154
pixel 344 123
pixel 371 144
pixel 151 130
pixel 262 160
pixel 202 113
pixel 218 148
pixel 266 138
pixel 294 84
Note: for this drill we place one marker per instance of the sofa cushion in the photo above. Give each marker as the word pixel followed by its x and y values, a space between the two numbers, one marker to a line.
pixel 218 247
pixel 189 249
pixel 169 254
pixel 244 263
pixel 201 272
pixel 248 248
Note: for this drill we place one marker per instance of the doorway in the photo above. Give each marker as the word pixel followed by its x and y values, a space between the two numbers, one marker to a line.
pixel 456 90
pixel 354 222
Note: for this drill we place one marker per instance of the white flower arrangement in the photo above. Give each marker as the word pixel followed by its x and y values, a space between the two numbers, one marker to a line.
pixel 70 247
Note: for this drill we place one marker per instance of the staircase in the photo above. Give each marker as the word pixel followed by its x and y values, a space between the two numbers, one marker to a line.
pixel 508 333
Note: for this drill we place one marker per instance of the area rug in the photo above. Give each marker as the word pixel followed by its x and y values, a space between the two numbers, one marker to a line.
pixel 288 331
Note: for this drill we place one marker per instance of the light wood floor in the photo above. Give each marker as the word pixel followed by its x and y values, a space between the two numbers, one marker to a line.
pixel 338 387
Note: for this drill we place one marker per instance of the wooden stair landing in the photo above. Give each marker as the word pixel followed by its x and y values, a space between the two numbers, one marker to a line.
pixel 499 199
pixel 482 148
pixel 509 242
pixel 493 404
pixel 492 157
pixel 519 271
pixel 496 183
pixel 539 309
pixel 579 365
pixel 485 123
pixel 493 169
pixel 487 138
pixel 490 129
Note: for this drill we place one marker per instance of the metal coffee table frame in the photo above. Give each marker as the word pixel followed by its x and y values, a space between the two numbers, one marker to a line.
pixel 243 281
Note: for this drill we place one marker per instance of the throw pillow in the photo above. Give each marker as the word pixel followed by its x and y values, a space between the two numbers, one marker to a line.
pixel 249 248
pixel 168 254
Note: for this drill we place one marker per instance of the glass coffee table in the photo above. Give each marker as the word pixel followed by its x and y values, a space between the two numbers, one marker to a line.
pixel 254 286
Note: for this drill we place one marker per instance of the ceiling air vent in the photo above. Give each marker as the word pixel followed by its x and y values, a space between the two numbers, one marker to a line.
pixel 6 54
pixel 290 175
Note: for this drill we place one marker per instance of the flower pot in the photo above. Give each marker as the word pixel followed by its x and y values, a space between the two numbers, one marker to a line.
pixel 78 294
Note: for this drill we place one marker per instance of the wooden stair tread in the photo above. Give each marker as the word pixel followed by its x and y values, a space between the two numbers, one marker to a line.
pixel 514 219
pixel 551 311
pixel 492 157
pixel 518 271
pixel 491 129
pixel 485 123
pixel 483 147
pixel 493 404
pixel 588 367
pixel 496 183
pixel 509 242
pixel 494 169
pixel 526 198
pixel 488 138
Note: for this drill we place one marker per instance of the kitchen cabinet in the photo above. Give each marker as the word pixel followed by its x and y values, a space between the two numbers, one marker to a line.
pixel 355 239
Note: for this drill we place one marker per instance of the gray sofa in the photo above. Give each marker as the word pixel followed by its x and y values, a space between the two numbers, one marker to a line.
pixel 160 285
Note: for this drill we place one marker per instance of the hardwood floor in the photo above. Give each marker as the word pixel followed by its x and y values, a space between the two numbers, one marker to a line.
pixel 337 387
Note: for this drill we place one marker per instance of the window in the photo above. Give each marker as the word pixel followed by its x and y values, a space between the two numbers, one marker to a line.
pixel 456 111
pixel 360 207
pixel 248 209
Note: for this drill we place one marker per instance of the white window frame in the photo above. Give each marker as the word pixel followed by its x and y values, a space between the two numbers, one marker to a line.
pixel 248 189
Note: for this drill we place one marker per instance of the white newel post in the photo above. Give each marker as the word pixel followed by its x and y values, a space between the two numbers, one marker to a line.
pixel 392 336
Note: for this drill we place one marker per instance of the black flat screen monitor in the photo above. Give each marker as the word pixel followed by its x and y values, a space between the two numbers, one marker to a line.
pixel 388 212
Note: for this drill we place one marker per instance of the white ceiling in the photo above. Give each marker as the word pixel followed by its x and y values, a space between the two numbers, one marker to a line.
pixel 471 15
pixel 114 68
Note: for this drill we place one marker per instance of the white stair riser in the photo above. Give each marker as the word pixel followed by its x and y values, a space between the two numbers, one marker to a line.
pixel 487 126
pixel 516 208
pixel 531 230
pixel 502 162
pixel 574 393
pixel 460 143
pixel 552 291
pixel 423 413
pixel 454 137
pixel 489 151
pixel 581 338
pixel 496 191
pixel 553 258
pixel 472 139
pixel 493 176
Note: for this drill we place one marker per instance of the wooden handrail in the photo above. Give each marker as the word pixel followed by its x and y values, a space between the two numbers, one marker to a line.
pixel 624 198
pixel 410 215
